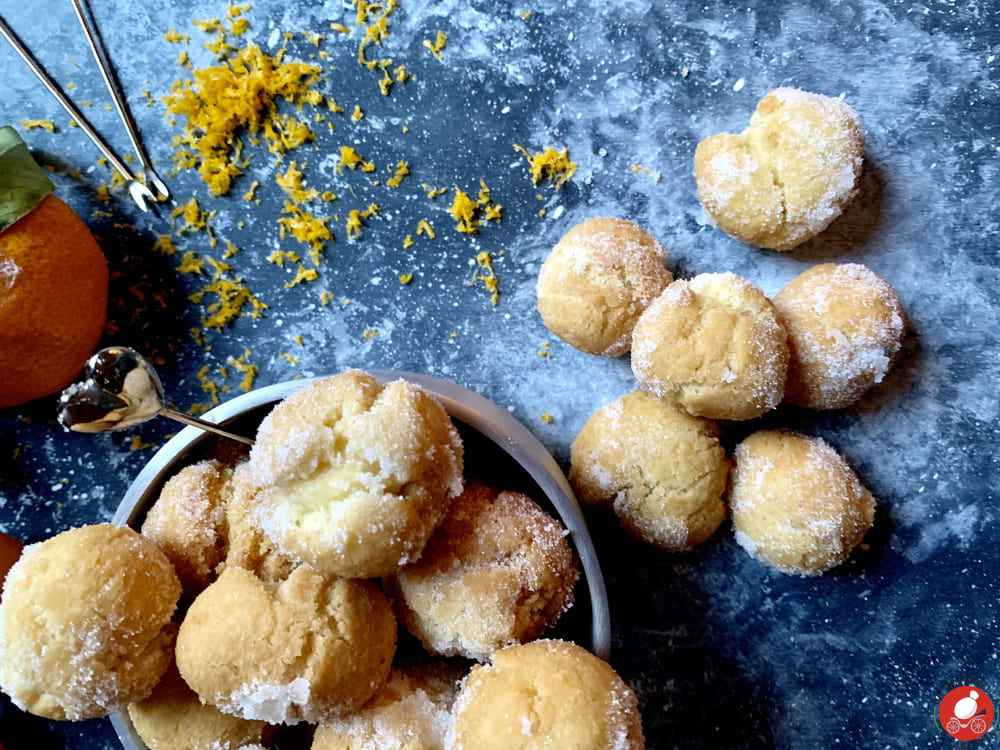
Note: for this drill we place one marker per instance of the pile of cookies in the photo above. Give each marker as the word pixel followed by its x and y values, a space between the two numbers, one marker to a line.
pixel 265 593
pixel 715 349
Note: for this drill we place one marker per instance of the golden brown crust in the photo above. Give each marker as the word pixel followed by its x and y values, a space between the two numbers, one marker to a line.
pixel 188 522
pixel 248 546
pixel 85 622
pixel 714 347
pixel 662 470
pixel 498 571
pixel 545 694
pixel 308 649
pixel 356 476
pixel 173 718
pixel 784 179
pixel 845 325
pixel 795 502
pixel 597 281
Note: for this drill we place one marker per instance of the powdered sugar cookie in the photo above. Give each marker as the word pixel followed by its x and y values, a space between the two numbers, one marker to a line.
pixel 310 648
pixel 713 346
pixel 412 712
pixel 662 470
pixel 174 718
pixel 545 694
pixel 85 622
pixel 795 502
pixel 354 475
pixel 845 325
pixel 784 179
pixel 498 571
pixel 597 281
pixel 188 522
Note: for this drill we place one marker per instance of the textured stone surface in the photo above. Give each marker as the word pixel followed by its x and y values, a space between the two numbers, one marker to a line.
pixel 722 652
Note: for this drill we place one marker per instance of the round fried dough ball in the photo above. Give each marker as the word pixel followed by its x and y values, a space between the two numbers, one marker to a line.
pixel 248 546
pixel 85 622
pixel 412 712
pixel 173 718
pixel 845 324
pixel 713 346
pixel 545 694
pixel 662 470
pixel 355 476
pixel 498 570
pixel 188 522
pixel 307 649
pixel 784 179
pixel 597 281
pixel 795 502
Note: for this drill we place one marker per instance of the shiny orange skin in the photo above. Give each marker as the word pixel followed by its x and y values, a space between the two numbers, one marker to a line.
pixel 53 301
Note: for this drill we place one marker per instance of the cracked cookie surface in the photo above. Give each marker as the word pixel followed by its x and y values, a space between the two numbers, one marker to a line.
pixel 354 476
pixel 545 694
pixel 661 470
pixel 786 177
pixel 310 648
pixel 714 347
pixel 596 282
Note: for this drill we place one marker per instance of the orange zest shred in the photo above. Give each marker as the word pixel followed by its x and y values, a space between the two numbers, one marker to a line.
pixel 249 371
pixel 39 124
pixel 484 272
pixel 231 297
pixel 278 257
pixel 356 220
pixel 470 214
pixel 303 274
pixel 240 95
pixel 176 37
pixel 292 181
pixel 464 210
pixel 305 227
pixel 352 160
pixel 437 45
pixel 549 164
pixel 402 170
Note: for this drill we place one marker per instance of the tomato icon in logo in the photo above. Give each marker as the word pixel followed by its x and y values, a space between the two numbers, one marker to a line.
pixel 966 713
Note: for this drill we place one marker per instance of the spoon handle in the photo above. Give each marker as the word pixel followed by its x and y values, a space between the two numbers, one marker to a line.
pixel 202 424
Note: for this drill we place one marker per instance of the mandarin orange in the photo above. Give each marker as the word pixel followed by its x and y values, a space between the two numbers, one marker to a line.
pixel 53 301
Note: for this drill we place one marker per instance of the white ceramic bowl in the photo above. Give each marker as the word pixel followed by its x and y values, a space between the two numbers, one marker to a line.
pixel 498 449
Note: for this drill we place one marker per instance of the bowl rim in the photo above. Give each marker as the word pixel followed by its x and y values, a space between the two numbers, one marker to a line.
pixel 460 402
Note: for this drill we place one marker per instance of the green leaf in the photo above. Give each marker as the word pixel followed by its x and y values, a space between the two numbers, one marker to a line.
pixel 23 184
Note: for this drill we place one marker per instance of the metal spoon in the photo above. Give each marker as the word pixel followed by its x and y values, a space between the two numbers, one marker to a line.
pixel 120 389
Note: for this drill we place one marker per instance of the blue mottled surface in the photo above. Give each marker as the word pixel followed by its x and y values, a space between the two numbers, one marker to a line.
pixel 722 652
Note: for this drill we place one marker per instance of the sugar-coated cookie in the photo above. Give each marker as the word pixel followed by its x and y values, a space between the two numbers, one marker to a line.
pixel 188 522
pixel 545 694
pixel 597 281
pixel 662 470
pixel 308 649
pixel 85 622
pixel 795 502
pixel 411 712
pixel 784 179
pixel 845 325
pixel 713 346
pixel 498 571
pixel 355 476
pixel 173 718
pixel 248 547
